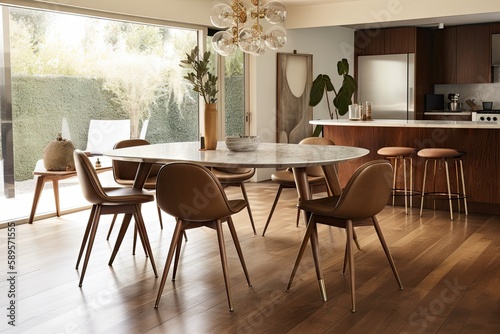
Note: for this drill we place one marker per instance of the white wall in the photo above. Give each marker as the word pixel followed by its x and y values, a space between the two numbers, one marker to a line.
pixel 327 45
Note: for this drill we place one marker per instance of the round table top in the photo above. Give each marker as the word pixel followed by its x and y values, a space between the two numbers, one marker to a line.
pixel 267 155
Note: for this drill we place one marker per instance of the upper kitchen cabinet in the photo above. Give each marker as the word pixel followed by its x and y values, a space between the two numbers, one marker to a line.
pixel 385 41
pixel 444 55
pixel 462 54
pixel 474 54
pixel 369 42
pixel 400 40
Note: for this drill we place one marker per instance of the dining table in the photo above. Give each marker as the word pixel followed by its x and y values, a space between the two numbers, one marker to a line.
pixel 267 155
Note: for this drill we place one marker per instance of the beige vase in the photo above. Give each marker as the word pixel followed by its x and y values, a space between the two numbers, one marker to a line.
pixel 210 126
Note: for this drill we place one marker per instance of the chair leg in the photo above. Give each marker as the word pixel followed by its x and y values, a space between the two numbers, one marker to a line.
pixel 449 187
pixel 86 234
pixel 111 226
pixel 463 187
pixel 223 259
pixel 302 248
pixel 244 192
pixel 387 252
pixel 350 256
pixel 123 229
pixel 93 231
pixel 278 193
pixel 238 248
pixel 317 262
pixel 177 254
pixel 143 234
pixel 168 261
pixel 423 189
pixel 159 217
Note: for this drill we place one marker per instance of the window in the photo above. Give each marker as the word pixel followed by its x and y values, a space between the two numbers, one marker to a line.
pixel 68 69
pixel 232 107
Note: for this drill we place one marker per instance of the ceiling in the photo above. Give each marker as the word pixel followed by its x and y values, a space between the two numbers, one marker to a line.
pixel 427 22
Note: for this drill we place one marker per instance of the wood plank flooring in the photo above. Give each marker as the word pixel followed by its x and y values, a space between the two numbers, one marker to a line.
pixel 450 272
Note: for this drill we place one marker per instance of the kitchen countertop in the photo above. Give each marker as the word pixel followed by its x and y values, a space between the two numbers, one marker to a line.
pixel 448 113
pixel 410 123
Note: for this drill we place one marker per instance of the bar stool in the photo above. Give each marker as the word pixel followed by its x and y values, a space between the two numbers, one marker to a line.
pixel 400 154
pixel 444 155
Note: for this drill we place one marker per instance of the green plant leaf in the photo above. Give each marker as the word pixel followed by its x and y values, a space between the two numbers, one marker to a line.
pixel 343 67
pixel 319 85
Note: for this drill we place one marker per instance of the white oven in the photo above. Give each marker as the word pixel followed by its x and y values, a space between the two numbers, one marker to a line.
pixel 486 116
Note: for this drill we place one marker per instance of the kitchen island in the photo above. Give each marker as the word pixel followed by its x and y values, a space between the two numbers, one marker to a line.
pixel 480 140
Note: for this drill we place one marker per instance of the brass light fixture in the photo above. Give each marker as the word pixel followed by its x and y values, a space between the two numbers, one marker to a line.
pixel 244 27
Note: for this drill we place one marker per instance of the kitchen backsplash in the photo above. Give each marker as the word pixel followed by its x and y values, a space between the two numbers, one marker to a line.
pixel 488 92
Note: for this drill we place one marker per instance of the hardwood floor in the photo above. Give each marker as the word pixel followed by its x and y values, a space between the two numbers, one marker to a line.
pixel 450 271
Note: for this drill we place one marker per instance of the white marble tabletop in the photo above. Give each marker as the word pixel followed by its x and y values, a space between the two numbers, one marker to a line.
pixel 410 123
pixel 267 155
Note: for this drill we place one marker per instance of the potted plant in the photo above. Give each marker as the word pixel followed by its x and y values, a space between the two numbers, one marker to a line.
pixel 205 84
pixel 343 97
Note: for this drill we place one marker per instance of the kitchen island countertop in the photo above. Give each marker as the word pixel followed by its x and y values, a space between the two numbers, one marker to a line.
pixel 410 123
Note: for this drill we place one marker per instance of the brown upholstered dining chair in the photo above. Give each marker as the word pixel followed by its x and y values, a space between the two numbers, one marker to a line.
pixel 109 200
pixel 236 177
pixel 194 196
pixel 124 174
pixel 365 195
pixel 286 180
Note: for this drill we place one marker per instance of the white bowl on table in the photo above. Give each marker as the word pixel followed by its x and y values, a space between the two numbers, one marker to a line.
pixel 242 143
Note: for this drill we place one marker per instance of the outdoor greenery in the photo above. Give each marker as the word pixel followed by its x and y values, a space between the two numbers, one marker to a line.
pixel 67 70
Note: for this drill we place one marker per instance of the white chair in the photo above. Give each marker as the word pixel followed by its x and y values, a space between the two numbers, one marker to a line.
pixel 104 134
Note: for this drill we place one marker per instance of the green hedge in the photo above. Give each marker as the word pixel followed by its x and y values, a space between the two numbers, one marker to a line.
pixel 41 103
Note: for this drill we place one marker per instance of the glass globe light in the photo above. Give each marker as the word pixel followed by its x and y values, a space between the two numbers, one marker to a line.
pixel 250 41
pixel 276 37
pixel 275 12
pixel 221 15
pixel 223 43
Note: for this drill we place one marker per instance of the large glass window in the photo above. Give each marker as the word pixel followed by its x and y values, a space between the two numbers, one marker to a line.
pixel 64 70
pixel 231 72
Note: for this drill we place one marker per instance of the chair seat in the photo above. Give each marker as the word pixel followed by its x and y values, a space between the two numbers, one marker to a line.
pixel 126 196
pixel 394 151
pixel 287 179
pixel 230 175
pixel 440 153
pixel 149 184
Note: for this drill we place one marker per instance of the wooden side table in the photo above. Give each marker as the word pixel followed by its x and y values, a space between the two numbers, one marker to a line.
pixel 42 176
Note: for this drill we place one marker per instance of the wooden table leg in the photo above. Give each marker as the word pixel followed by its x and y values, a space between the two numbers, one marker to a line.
pixel 332 179
pixel 40 182
pixel 303 189
pixel 55 185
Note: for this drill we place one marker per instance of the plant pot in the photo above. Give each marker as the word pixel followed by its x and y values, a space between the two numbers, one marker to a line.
pixel 210 126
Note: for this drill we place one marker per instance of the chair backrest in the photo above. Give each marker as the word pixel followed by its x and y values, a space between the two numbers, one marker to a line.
pixel 103 134
pixel 367 191
pixel 89 182
pixel 315 170
pixel 126 170
pixel 191 192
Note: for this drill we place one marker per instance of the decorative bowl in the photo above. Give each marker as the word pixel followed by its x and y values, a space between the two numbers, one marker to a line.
pixel 242 143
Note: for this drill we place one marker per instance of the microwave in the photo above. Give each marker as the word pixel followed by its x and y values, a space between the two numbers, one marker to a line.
pixel 434 102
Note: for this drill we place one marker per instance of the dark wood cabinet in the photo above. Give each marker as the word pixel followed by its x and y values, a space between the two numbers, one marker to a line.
pixel 400 40
pixel 445 56
pixel 369 42
pixel 474 54
pixel 462 54
pixel 385 41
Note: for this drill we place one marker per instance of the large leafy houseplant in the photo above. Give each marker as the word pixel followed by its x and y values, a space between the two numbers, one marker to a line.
pixel 203 81
pixel 343 97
